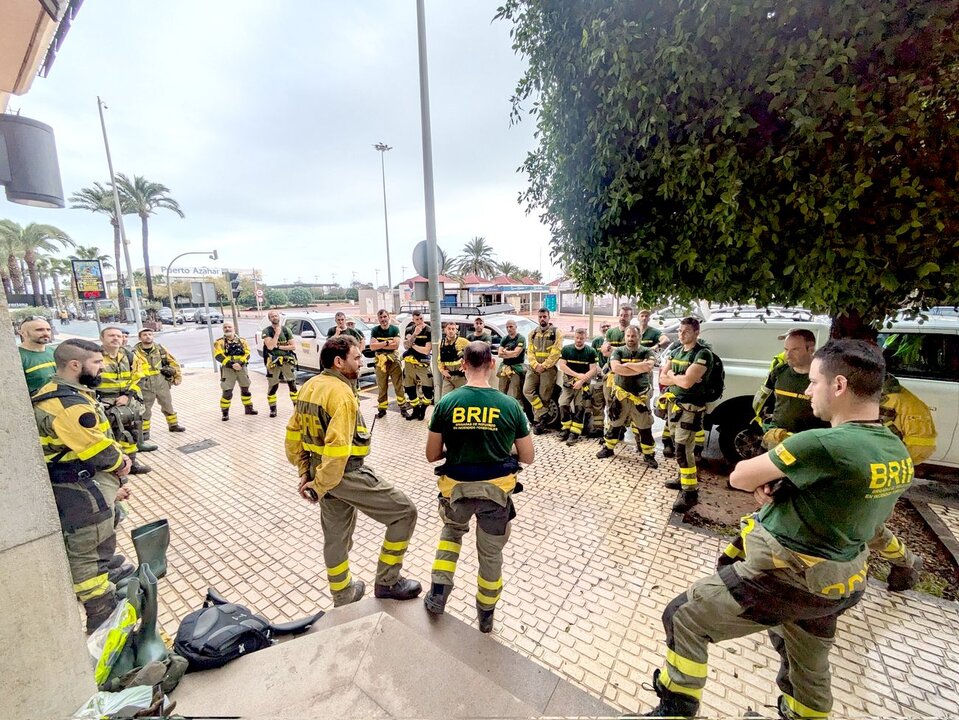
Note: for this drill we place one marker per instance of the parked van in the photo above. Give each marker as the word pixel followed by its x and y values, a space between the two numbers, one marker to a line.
pixel 924 356
pixel 309 333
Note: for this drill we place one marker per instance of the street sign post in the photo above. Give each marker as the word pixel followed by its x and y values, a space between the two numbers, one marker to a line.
pixel 205 292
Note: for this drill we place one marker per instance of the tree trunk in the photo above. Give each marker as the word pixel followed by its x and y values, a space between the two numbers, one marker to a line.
pixel 145 229
pixel 16 279
pixel 55 279
pixel 30 260
pixel 5 277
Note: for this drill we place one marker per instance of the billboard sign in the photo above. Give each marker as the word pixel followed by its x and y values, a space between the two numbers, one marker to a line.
pixel 88 278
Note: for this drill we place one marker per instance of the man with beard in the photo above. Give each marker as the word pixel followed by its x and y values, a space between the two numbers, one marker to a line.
pixel 327 441
pixel 630 366
pixel 417 375
pixel 544 347
pixel 344 327
pixel 119 391
pixel 512 351
pixel 479 332
pixel 35 357
pixel 233 354
pixel 160 371
pixel 87 468
pixel 280 359
pixel 451 357
pixel 384 342
pixel 579 365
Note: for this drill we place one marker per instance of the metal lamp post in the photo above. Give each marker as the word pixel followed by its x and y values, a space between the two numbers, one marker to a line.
pixel 169 289
pixel 118 212
pixel 383 148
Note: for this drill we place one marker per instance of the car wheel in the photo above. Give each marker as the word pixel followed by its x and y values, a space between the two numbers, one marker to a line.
pixel 740 440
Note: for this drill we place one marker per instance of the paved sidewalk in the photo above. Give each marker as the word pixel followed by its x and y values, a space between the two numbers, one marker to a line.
pixel 592 562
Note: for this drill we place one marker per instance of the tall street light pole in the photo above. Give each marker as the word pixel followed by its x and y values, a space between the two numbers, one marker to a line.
pixel 118 212
pixel 432 255
pixel 383 148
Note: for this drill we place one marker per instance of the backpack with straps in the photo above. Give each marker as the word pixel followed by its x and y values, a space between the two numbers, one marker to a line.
pixel 715 381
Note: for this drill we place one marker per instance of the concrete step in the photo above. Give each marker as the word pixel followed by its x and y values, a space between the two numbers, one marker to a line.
pixel 385 659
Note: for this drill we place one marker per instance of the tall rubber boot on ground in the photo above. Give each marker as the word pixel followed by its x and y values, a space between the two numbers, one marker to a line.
pixel 129 591
pixel 147 641
pixel 151 542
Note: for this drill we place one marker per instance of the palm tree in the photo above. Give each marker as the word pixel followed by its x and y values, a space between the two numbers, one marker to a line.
pixel 91 252
pixel 510 270
pixel 32 239
pixel 99 199
pixel 12 278
pixel 143 198
pixel 477 258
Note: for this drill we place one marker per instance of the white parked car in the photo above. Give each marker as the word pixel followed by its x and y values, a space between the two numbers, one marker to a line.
pixel 924 356
pixel 309 333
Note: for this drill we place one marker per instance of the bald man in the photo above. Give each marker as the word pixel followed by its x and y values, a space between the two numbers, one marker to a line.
pixel 35 357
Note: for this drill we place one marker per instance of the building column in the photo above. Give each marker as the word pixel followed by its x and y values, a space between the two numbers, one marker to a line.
pixel 46 670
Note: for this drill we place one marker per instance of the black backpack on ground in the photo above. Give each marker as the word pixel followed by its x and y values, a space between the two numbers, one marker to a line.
pixel 221 631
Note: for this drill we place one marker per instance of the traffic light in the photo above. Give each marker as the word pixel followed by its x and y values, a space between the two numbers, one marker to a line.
pixel 234 280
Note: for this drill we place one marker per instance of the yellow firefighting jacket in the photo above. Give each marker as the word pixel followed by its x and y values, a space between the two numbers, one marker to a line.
pixel 909 418
pixel 75 427
pixel 326 435
pixel 153 359
pixel 226 352
pixel 121 374
pixel 544 346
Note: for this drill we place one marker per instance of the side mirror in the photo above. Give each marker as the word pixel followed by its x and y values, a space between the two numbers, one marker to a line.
pixel 308 335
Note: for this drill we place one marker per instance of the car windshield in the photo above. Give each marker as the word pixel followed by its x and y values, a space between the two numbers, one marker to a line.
pixel 524 326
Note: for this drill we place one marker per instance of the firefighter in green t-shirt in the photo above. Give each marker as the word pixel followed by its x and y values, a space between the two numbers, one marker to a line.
pixel 475 429
pixel 824 495
pixel 35 357
pixel 684 377
pixel 450 361
pixel 630 366
pixel 579 365
pixel 384 342
pixel 343 327
pixel 597 389
pixel 479 332
pixel 512 352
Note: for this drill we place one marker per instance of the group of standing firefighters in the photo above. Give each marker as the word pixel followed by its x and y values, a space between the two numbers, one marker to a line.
pixel 839 457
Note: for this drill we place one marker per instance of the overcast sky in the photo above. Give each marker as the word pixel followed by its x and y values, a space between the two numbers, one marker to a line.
pixel 261 118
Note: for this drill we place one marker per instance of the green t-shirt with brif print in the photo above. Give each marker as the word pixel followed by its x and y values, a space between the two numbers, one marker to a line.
pixel 478 425
pixel 380 333
pixel 578 360
pixel 847 480
pixel 680 361
pixel 635 384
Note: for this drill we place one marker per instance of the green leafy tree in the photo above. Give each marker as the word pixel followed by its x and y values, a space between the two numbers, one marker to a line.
pixel 99 199
pixel 477 257
pixel 774 151
pixel 142 197
pixel 510 270
pixel 91 252
pixel 274 297
pixel 300 297
pixel 32 240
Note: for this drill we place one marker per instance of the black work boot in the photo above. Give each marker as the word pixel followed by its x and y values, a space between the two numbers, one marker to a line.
pixel 435 600
pixel 674 484
pixel 571 440
pixel 606 452
pixel 904 578
pixel 650 460
pixel 686 500
pixel 226 415
pixel 421 412
pixel 381 413
pixel 671 704
pixel 98 610
pixel 176 427
pixel 402 589
pixel 408 412
pixel 485 618
pixel 539 427
pixel 248 410
pixel 669 450
pixel 353 594
pixel 272 410
pixel 564 435
pixel 121 572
